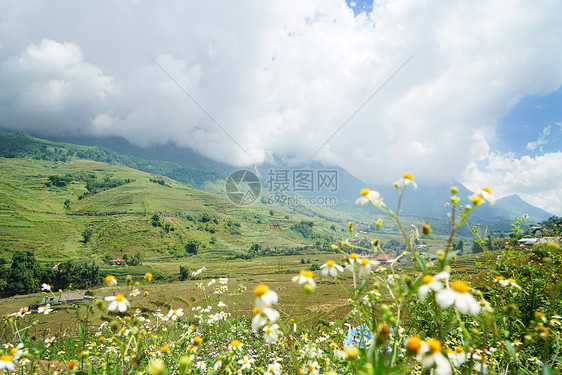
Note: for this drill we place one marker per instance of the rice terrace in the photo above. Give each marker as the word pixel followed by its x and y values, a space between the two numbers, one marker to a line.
pixel 309 187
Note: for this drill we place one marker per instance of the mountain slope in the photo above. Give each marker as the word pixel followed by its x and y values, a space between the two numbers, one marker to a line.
pixel 45 206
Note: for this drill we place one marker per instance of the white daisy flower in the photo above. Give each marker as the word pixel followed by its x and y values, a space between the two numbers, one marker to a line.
pixel 428 352
pixel 365 266
pixel 135 292
pixel 44 309
pixel 457 356
pixel 486 193
pixel 265 296
pixel 331 268
pixel 271 333
pixel 370 196
pixel 458 295
pixel 311 368
pixel 305 277
pixel 506 282
pixel 118 302
pixel 407 179
pixel 274 368
pixel 110 280
pixel 6 362
pixel 23 312
pixel 432 283
pixel 246 363
pixel 264 316
pixel 174 314
pixel 46 287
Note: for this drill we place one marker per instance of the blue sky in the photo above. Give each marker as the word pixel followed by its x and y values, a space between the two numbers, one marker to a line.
pixel 360 6
pixel 527 123
pixel 438 89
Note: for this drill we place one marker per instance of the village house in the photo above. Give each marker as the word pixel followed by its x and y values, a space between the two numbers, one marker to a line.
pixel 66 298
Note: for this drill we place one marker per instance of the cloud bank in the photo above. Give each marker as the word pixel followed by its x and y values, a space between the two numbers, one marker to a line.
pixel 281 77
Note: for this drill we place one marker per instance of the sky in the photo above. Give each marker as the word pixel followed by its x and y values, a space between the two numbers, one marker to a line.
pixel 440 89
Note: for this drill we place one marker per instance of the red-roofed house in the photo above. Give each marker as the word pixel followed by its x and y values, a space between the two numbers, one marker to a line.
pixel 384 258
pixel 119 262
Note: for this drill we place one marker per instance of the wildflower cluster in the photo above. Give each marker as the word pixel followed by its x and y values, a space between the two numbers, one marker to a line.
pixel 406 314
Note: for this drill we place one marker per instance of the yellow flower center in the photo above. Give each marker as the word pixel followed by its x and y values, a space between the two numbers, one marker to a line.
pixel 364 261
pixel 256 310
pixel 365 192
pixel 539 314
pixel 458 349
pixel 512 280
pixel 148 276
pixel 414 344
pixel 268 330
pixel 272 370
pixel 236 343
pixel 165 349
pixel 351 351
pixel 260 290
pixel 330 263
pixel 499 278
pixel 487 189
pixel 72 364
pixel 476 199
pixel 354 256
pixel 119 297
pixel 311 367
pixel 434 345
pixel 408 176
pixel 197 340
pixel 459 286
pixel 427 279
pixel 376 291
pixel 306 273
pixel 109 279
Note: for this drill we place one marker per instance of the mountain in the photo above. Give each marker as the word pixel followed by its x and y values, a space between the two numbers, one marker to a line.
pixel 306 196
pixel 21 145
pixel 46 206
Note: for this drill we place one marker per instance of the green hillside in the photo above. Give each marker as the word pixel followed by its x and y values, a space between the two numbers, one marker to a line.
pixel 38 215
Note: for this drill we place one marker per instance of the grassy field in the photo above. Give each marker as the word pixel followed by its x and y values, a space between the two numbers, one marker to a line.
pixel 328 303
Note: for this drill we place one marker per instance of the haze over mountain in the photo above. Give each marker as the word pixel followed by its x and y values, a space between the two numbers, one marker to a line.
pixel 428 201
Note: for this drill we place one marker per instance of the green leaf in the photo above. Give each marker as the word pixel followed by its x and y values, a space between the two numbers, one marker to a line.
pixel 510 350
pixel 81 329
pixel 421 262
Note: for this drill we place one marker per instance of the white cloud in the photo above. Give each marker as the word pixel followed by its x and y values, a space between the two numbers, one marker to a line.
pixel 543 139
pixel 535 179
pixel 282 76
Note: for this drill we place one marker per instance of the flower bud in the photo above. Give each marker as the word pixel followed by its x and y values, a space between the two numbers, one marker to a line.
pixel 426 229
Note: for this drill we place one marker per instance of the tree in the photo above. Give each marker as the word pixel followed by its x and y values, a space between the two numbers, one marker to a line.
pixel 144 205
pixel 192 246
pixel 135 260
pixel 25 274
pixel 87 234
pixel 155 219
pixel 255 247
pixel 184 273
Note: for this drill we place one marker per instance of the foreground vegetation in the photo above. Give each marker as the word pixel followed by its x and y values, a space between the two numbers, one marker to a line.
pixel 423 318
